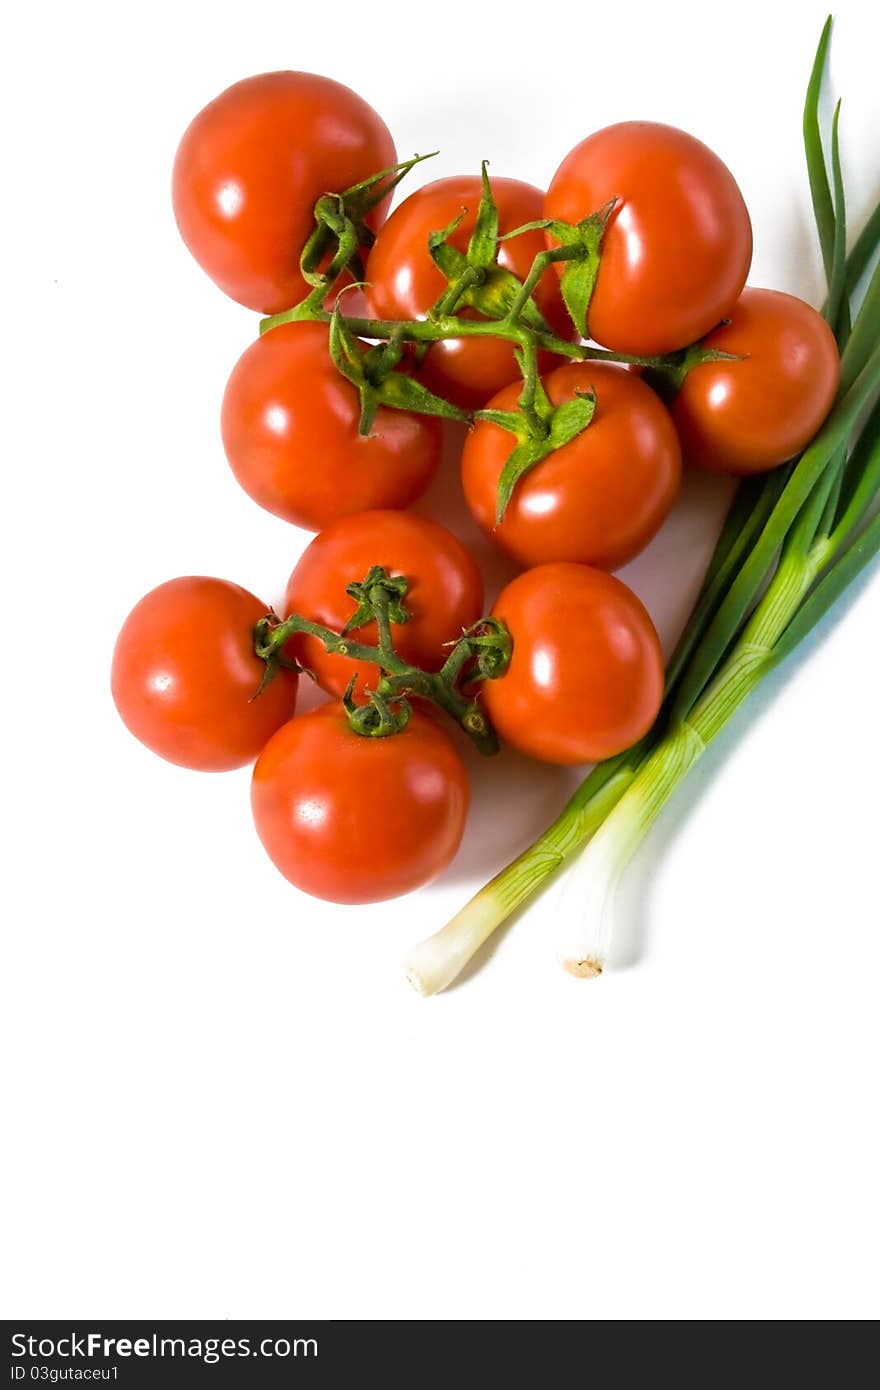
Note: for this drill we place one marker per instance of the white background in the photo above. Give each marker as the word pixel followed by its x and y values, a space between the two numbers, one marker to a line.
pixel 222 1097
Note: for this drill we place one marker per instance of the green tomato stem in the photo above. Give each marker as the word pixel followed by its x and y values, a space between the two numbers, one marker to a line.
pixel 543 260
pixel 449 326
pixel 485 647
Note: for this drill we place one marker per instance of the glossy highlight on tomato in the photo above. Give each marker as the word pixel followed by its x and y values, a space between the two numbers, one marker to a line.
pixel 599 499
pixel 678 244
pixel 357 819
pixel 251 167
pixel 585 679
pixel 444 591
pixel 290 430
pixel 404 282
pixel 185 676
pixel 751 415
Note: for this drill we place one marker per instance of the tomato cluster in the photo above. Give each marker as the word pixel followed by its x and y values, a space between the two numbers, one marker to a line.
pixel 595 338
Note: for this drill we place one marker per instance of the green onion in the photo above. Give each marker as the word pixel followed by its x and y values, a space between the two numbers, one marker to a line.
pixel 823 208
pixel 586 904
pixel 836 309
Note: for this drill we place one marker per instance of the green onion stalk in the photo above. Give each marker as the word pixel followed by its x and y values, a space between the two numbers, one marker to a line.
pixel 793 542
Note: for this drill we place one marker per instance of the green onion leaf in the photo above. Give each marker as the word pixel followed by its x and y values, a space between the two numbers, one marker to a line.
pixel 823 208
pixel 836 308
pixel 829 589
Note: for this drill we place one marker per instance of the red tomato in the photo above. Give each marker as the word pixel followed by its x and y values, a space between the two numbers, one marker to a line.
pixel 185 675
pixel 404 282
pixel 445 593
pixel 597 500
pixel 358 819
pixel 678 244
pixel 748 416
pixel 586 677
pixel 290 430
pixel 251 167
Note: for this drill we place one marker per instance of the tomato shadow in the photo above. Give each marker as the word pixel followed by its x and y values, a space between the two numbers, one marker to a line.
pixel 310 695
pixel 444 502
pixel 668 573
pixel 513 799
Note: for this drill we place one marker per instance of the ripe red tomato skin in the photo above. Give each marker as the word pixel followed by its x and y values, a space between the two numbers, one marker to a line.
pixel 444 597
pixel 585 679
pixel 598 500
pixel 678 244
pixel 250 168
pixel 289 422
pixel 752 415
pixel 404 282
pixel 355 819
pixel 184 675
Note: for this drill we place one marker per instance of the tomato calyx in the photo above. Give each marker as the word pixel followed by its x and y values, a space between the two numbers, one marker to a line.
pixel 668 378
pixel 580 248
pixel 379 598
pixel 359 200
pixel 341 232
pixel 381 716
pixel 372 371
pixel 539 428
pixel 482 652
pixel 274 655
pixel 476 279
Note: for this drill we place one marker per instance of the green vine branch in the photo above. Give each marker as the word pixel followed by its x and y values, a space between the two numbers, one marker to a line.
pixel 476 283
pixel 481 653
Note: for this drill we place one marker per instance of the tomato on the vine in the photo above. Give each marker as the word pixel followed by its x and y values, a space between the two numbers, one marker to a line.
pixel 678 243
pixel 750 415
pixel 597 500
pixel 251 167
pixel 444 591
pixel 290 430
pixel 185 676
pixel 404 282
pixel 354 818
pixel 585 680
